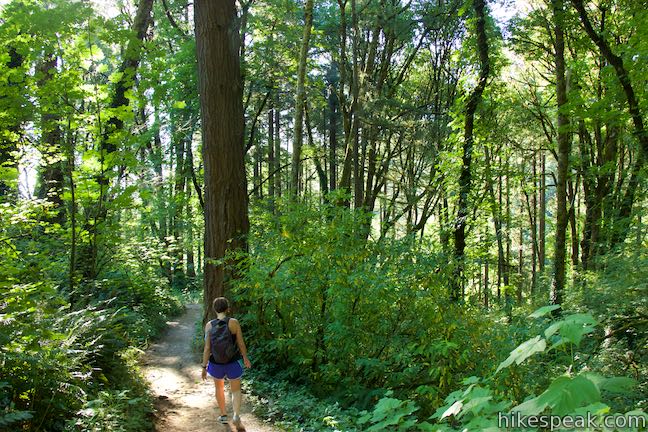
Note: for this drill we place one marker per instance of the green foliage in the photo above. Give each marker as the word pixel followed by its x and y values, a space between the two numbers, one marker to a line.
pixel 68 354
pixel 350 318
pixel 293 408
pixel 390 413
pixel 477 407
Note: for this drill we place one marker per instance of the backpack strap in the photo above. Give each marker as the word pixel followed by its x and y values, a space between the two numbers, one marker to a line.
pixel 218 321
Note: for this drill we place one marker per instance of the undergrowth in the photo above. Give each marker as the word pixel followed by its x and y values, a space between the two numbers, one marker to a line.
pixel 68 357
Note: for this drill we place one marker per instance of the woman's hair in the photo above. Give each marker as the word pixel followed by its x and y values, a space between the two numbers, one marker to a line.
pixel 221 304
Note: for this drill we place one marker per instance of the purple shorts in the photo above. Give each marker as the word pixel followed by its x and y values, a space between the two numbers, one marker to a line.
pixel 232 370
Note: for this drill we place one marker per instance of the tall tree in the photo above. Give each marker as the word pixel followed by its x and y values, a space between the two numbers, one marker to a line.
pixel 564 145
pixel 300 99
pixel 221 106
pixel 465 179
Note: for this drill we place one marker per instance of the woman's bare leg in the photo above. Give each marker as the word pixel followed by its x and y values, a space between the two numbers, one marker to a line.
pixel 235 389
pixel 220 395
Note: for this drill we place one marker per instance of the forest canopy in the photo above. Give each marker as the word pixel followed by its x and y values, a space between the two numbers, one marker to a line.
pixel 426 213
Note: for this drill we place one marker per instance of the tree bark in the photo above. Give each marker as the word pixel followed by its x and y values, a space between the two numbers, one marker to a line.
pixel 332 126
pixel 178 205
pixel 465 178
pixel 558 284
pixel 542 217
pixel 277 152
pixel 300 98
pixel 51 174
pixel 271 157
pixel 12 126
pixel 495 211
pixel 225 195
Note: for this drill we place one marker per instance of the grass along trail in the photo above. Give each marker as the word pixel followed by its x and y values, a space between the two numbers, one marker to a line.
pixel 183 401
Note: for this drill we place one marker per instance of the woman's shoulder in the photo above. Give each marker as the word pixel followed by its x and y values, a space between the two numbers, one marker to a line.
pixel 233 323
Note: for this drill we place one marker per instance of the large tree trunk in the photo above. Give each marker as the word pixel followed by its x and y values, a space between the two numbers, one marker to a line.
pixel 225 195
pixel 300 98
pixel 51 174
pixel 558 285
pixel 465 178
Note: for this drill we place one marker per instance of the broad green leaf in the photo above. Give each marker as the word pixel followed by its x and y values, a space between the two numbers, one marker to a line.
pixel 613 384
pixel 563 396
pixel 453 410
pixel 524 351
pixel 544 311
pixel 572 328
pixel 115 77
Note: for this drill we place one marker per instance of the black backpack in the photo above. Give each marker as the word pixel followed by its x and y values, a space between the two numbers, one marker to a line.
pixel 223 348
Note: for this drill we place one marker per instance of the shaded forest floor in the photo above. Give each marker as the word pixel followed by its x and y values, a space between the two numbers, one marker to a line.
pixel 183 402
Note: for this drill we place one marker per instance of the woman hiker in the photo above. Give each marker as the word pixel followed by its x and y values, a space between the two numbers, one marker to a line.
pixel 224 350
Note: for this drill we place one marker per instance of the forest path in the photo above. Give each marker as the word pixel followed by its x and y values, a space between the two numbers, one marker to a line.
pixel 182 400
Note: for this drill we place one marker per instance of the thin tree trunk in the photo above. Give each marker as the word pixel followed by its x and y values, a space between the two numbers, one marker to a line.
pixel 191 265
pixel 509 239
pixel 332 124
pixel 73 211
pixel 271 157
pixel 520 264
pixel 497 215
pixel 277 143
pixel 558 285
pixel 572 223
pixel 542 217
pixel 178 204
pixel 300 100
pixel 321 171
pixel 486 285
pixel 533 225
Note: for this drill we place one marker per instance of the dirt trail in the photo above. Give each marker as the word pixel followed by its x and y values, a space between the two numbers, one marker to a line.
pixel 183 401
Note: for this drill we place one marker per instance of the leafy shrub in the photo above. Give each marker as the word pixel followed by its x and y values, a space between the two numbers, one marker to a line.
pixel 352 318
pixel 65 354
pixel 478 405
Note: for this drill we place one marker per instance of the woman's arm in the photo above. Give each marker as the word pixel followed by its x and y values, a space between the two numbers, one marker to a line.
pixel 206 351
pixel 240 342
